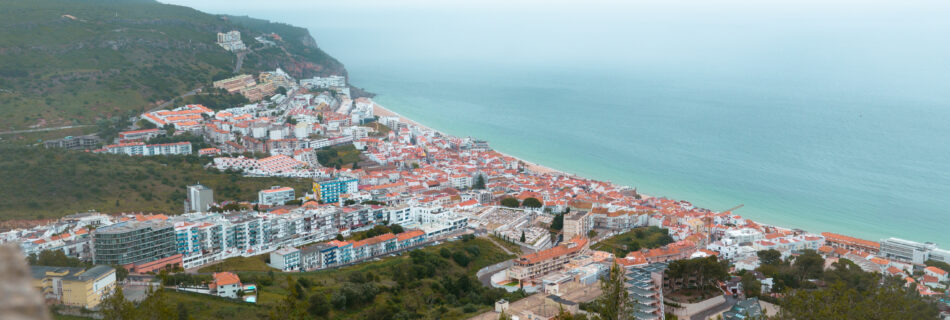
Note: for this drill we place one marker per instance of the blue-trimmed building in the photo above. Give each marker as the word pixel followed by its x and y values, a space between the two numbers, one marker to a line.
pixel 330 191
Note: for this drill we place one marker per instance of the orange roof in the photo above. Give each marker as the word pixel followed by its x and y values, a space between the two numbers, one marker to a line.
pixel 825 249
pixel 833 237
pixel 936 270
pixel 560 250
pixel 880 261
pixel 225 278
pixel 409 235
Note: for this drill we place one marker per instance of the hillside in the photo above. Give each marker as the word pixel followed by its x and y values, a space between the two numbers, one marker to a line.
pixel 75 62
pixel 436 282
pixel 40 183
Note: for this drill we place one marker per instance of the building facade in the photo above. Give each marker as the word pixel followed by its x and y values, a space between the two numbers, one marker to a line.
pixel 74 286
pixel 199 198
pixel 275 196
pixel 330 191
pixel 134 242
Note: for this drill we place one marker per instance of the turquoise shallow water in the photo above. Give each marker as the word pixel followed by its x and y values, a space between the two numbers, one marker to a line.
pixel 823 117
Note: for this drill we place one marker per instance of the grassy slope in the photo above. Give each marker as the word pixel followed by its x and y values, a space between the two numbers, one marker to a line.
pixel 326 281
pixel 621 244
pixel 255 263
pixel 40 183
pixel 122 56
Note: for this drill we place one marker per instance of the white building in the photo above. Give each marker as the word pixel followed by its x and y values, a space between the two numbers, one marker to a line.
pixel 285 259
pixel 231 41
pixel 275 196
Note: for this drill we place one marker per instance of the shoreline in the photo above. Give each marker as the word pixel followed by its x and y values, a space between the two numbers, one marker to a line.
pixel 534 167
pixel 380 110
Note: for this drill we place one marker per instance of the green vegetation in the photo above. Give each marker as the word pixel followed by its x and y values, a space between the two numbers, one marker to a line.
pixel 75 62
pixel 479 182
pixel 843 291
pixel 938 264
pixel 56 258
pixel 255 263
pixel 558 222
pixel 216 99
pixel 511 246
pixel 510 202
pixel 196 141
pixel 634 240
pixel 41 183
pixel 532 203
pixel 377 230
pixel 791 273
pixel 434 282
pixel 615 302
pixel 338 156
pixel 699 274
pixel 840 301
pixel 381 129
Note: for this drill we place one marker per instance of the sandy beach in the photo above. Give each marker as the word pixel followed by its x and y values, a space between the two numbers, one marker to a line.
pixel 531 166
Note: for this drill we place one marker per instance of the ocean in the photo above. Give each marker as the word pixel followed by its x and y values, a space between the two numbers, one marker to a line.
pixel 825 117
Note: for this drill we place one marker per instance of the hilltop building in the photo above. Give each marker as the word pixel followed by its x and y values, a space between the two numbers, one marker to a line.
pixel 200 198
pixel 86 142
pixel 231 41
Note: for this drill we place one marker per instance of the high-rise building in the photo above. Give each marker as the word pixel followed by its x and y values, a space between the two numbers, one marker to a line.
pixel 330 191
pixel 199 198
pixel 134 242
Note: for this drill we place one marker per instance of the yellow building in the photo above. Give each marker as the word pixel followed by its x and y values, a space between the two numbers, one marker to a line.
pixel 74 286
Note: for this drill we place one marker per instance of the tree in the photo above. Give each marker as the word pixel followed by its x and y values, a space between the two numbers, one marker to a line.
pixel 770 257
pixel 532 203
pixel 522 236
pixel 156 306
pixel 558 222
pixel 319 306
pixel 504 316
pixel 339 237
pixel 751 286
pixel 115 307
pixel 885 302
pixel 510 202
pixel 615 302
pixel 169 129
pixel 282 90
pixel 808 265
pixel 591 234
pixel 479 182
pixel 396 229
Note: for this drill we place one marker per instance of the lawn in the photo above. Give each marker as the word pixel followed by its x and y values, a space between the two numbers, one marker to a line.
pixel 511 246
pixel 255 263
pixel 633 240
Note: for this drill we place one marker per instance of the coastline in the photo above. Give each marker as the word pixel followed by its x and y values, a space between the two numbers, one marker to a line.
pixel 380 110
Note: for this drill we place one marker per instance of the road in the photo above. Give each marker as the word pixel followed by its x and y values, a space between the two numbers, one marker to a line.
pixel 722 307
pixel 169 102
pixel 44 129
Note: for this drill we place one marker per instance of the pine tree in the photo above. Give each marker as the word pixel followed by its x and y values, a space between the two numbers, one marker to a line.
pixel 522 236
